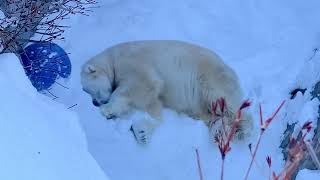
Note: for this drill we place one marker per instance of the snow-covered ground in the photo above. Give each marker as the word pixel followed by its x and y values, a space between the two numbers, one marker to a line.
pixel 40 139
pixel 268 43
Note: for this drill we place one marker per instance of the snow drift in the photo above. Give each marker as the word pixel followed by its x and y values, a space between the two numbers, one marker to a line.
pixel 40 139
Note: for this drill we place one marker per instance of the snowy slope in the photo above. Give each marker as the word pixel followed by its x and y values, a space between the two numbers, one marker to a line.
pixel 269 44
pixel 307 175
pixel 40 139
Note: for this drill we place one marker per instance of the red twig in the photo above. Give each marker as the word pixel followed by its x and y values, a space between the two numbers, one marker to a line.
pixel 223 139
pixel 269 120
pixel 26 18
pixel 222 168
pixel 296 153
pixel 264 126
pixel 255 161
pixel 254 154
pixel 199 165
pixel 261 117
pixel 268 159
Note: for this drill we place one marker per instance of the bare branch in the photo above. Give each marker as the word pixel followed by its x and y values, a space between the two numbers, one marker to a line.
pixel 27 21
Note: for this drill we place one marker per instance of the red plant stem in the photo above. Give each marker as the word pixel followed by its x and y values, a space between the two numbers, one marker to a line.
pixel 269 173
pixel 269 120
pixel 261 118
pixel 263 128
pixel 199 165
pixel 233 128
pixel 224 126
pixel 222 167
pixel 276 112
pixel 254 154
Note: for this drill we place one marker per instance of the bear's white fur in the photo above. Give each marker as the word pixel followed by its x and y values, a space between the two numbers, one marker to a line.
pixel 147 75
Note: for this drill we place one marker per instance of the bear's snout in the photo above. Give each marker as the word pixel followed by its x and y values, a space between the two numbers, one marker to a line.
pixel 95 103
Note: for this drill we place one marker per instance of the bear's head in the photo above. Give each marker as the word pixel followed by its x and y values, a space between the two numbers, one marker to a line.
pixel 97 82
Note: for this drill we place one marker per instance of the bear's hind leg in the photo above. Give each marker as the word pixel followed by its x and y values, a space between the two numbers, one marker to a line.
pixel 214 87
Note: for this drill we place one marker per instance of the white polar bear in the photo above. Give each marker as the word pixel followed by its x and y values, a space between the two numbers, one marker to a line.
pixel 147 75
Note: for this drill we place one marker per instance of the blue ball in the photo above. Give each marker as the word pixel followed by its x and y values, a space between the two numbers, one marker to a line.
pixel 44 63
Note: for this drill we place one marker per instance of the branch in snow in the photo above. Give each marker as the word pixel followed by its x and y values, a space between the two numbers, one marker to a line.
pixel 27 21
pixel 199 165
pixel 223 138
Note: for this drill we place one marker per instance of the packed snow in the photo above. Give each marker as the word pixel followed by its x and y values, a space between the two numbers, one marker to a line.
pixel 308 174
pixel 40 139
pixel 270 44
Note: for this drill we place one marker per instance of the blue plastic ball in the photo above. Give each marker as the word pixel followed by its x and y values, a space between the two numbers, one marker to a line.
pixel 44 63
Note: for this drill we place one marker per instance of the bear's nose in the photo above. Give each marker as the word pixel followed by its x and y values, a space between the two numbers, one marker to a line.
pixel 105 102
pixel 95 103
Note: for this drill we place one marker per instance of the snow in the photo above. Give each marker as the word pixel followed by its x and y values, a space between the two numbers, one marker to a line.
pixel 270 44
pixel 40 139
pixel 308 174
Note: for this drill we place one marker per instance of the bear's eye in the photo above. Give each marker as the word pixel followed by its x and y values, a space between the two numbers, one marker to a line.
pixel 113 86
pixel 85 90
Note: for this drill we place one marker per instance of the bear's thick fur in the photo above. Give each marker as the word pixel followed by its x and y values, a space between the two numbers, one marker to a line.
pixel 147 75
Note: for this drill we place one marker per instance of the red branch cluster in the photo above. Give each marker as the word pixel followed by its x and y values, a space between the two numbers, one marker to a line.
pixel 297 152
pixel 298 148
pixel 224 138
pixel 263 126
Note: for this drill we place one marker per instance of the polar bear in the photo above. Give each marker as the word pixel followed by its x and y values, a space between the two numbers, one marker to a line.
pixel 151 74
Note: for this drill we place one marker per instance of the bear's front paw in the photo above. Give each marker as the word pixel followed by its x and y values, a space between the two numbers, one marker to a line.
pixel 141 135
pixel 141 132
pixel 109 111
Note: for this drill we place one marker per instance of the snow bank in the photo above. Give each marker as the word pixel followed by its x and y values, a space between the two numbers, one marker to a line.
pixel 308 175
pixel 40 139
pixel 267 43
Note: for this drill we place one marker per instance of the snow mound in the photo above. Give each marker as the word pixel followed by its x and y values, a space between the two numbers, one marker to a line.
pixel 308 174
pixel 40 139
pixel 270 44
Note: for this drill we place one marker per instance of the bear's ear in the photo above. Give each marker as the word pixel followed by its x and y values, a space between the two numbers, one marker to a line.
pixel 89 69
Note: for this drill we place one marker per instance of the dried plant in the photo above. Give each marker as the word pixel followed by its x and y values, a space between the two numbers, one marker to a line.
pixel 224 138
pixel 269 162
pixel 27 21
pixel 298 148
pixel 199 164
pixel 297 152
pixel 263 126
